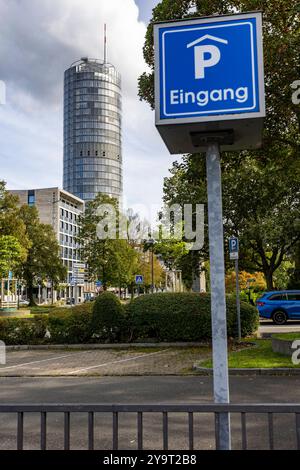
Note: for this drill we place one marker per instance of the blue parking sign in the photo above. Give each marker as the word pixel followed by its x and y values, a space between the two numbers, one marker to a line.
pixel 209 69
pixel 233 245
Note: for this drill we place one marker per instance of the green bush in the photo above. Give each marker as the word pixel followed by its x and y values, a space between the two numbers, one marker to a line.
pixel 17 331
pixel 70 325
pixel 184 317
pixel 108 319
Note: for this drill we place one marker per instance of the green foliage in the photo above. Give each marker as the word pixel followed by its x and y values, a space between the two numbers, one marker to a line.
pixel 108 321
pixel 184 317
pixel 14 242
pixel 16 331
pixel 281 46
pixel 11 254
pixel 70 325
pixel 111 260
pixel 43 260
pixel 261 188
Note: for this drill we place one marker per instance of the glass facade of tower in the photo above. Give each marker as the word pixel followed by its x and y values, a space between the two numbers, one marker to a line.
pixel 92 130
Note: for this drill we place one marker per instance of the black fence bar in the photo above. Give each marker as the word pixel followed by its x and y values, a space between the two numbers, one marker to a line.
pixel 67 431
pixel 244 431
pixel 271 430
pixel 140 431
pixel 191 431
pixel 43 430
pixel 115 430
pixel 298 430
pixel 217 437
pixel 91 427
pixel 20 430
pixel 165 431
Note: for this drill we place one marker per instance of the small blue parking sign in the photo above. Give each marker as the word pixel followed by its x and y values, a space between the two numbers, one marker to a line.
pixel 209 69
pixel 139 279
pixel 234 248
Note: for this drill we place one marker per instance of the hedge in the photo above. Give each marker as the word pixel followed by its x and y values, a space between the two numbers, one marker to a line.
pixel 159 317
pixel 70 325
pixel 184 317
pixel 108 320
pixel 17 331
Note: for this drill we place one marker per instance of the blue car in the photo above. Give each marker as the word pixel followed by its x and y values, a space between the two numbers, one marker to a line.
pixel 280 306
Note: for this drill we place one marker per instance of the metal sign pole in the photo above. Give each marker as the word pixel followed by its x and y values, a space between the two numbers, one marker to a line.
pixel 218 302
pixel 238 303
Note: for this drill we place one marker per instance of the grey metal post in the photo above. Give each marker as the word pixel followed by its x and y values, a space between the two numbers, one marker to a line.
pixel 238 303
pixel 217 283
pixel 76 294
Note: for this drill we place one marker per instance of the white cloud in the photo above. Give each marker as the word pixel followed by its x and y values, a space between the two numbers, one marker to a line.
pixel 38 41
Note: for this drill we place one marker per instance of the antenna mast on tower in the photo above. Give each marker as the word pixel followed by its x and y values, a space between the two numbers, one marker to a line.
pixel 105 44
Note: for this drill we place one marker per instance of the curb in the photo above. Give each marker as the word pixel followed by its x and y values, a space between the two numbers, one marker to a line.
pixel 50 347
pixel 250 371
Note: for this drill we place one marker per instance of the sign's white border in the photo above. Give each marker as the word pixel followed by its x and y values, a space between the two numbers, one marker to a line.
pixel 215 110
pixel 216 117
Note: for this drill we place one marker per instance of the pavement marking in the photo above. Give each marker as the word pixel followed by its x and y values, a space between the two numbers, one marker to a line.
pixel 117 362
pixel 41 360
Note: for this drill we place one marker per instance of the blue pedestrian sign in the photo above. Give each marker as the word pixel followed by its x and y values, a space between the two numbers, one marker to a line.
pixel 139 279
pixel 209 69
pixel 234 248
pixel 98 283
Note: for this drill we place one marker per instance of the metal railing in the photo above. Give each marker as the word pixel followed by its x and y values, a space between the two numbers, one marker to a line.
pixel 139 411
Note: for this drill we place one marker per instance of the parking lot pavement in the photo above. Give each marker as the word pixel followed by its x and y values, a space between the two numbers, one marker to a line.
pixel 146 390
pixel 267 328
pixel 168 361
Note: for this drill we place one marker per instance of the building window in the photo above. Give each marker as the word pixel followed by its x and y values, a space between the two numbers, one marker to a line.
pixel 31 198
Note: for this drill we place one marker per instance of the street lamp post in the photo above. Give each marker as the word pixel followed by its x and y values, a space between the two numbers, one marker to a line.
pixel 151 243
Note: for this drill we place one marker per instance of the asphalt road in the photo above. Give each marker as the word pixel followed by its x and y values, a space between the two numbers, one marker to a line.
pixel 267 328
pixel 146 390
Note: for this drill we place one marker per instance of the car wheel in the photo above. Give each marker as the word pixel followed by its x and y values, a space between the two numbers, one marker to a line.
pixel 279 317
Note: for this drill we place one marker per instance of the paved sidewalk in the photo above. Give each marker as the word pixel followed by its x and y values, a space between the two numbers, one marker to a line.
pixel 108 362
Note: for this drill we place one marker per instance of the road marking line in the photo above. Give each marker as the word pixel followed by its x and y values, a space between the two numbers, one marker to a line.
pixel 41 360
pixel 117 362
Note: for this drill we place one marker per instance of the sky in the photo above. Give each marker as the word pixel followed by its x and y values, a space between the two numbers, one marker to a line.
pixel 39 39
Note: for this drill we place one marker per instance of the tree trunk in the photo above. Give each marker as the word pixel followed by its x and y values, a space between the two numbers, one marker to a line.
pixel 269 279
pixel 30 294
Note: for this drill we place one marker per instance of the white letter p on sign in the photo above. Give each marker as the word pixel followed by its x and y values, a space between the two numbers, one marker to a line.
pixel 202 62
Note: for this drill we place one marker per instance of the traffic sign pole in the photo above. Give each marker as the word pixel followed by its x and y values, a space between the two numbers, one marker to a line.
pixel 218 302
pixel 238 303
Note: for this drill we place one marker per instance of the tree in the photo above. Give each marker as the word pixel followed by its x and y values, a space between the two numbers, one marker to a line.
pixel 109 259
pixel 281 46
pixel 43 260
pixel 261 188
pixel 11 254
pixel 11 224
pixel 258 282
pixel 144 268
pixel 258 206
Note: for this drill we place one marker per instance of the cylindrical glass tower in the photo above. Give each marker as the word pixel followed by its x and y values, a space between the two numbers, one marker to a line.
pixel 92 130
